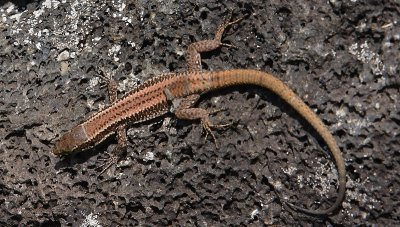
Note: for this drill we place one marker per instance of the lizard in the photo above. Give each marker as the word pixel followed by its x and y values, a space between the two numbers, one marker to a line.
pixel 178 93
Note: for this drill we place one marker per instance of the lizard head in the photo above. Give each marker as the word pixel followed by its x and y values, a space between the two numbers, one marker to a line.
pixel 71 141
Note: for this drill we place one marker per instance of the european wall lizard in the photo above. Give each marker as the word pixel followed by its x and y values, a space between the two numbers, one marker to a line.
pixel 155 97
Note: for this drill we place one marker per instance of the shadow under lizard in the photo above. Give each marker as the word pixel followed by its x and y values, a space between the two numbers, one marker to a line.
pixel 180 91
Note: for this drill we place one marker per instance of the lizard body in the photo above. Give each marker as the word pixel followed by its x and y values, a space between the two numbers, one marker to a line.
pixel 153 99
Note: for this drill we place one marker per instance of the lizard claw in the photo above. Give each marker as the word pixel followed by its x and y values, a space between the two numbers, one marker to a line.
pixel 229 22
pixel 229 45
pixel 104 75
pixel 215 110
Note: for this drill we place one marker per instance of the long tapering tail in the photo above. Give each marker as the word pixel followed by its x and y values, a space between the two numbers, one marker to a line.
pixel 270 82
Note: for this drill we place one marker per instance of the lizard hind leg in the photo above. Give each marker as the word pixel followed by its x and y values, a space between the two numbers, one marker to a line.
pixel 184 110
pixel 193 57
pixel 203 116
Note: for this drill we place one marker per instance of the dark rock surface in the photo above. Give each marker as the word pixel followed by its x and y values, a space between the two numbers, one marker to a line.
pixel 341 57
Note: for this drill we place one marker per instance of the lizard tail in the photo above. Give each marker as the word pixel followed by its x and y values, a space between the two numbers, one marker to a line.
pixel 270 82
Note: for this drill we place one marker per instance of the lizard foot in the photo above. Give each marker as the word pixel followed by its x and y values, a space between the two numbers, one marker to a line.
pixel 108 162
pixel 113 158
pixel 228 22
pixel 207 125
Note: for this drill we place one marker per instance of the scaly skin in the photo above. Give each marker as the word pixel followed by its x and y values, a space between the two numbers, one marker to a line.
pixel 154 97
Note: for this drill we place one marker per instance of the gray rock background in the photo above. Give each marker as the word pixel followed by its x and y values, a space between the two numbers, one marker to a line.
pixel 341 57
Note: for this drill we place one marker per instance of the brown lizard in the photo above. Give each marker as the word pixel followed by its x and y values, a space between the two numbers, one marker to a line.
pixel 179 92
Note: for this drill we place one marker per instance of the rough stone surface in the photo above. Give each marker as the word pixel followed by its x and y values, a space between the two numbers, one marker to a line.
pixel 341 57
